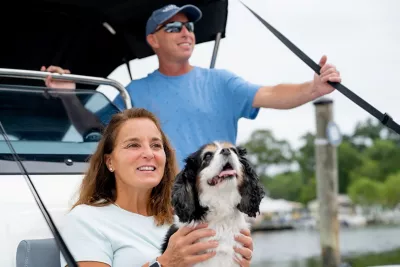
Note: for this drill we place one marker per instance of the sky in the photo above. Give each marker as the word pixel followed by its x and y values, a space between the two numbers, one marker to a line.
pixel 360 37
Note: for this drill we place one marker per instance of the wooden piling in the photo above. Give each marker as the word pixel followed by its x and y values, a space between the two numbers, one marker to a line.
pixel 327 185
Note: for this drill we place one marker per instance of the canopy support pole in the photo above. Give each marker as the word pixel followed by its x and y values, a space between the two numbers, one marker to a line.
pixel 215 52
pixel 129 68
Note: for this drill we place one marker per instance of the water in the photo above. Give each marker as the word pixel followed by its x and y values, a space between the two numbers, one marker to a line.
pixel 301 248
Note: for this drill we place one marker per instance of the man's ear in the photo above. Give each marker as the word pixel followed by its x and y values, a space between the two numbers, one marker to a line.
pixel 153 41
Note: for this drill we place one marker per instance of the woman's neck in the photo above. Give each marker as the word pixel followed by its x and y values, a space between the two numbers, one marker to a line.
pixel 135 201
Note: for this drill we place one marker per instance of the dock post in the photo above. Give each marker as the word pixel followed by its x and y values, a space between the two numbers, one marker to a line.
pixel 327 183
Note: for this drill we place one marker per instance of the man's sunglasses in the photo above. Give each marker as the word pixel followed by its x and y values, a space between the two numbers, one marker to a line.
pixel 176 26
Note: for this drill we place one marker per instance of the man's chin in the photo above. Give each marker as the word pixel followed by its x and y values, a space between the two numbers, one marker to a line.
pixel 183 57
pixel 185 53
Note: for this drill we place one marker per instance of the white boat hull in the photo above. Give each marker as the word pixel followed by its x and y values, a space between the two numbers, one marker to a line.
pixel 20 215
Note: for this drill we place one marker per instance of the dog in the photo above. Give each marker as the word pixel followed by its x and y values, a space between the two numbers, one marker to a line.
pixel 217 186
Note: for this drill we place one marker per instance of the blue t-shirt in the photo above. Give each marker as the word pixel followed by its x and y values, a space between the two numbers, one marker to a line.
pixel 195 108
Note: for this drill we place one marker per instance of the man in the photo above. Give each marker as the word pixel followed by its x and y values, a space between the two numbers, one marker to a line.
pixel 198 105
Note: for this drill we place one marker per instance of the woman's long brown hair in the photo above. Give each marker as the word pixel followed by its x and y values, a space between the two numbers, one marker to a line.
pixel 98 187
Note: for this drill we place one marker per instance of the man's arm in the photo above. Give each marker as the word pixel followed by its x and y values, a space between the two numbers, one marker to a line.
pixel 82 119
pixel 287 96
pixel 283 96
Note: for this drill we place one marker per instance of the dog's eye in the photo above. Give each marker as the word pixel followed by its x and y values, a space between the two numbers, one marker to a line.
pixel 207 155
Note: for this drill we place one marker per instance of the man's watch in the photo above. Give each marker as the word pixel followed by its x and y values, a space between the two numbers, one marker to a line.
pixel 155 263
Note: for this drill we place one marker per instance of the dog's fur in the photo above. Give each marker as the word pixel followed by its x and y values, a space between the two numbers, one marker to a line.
pixel 206 192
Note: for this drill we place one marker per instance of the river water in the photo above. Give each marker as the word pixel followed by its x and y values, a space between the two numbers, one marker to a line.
pixel 294 248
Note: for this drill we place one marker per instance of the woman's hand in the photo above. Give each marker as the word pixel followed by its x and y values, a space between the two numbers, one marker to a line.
pixel 247 250
pixel 182 251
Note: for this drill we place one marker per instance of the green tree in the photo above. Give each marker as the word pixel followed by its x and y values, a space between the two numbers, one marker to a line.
pixel 266 151
pixel 366 192
pixel 285 185
pixel 368 168
pixel 348 160
pixel 378 161
pixel 371 153
pixel 392 190
pixel 305 157
pixel 369 129
pixel 372 130
pixel 387 154
pixel 308 191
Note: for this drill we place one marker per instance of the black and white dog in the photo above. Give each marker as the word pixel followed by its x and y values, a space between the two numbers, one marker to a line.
pixel 218 186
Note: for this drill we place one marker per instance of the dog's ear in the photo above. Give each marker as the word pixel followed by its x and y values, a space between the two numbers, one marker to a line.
pixel 185 199
pixel 251 190
pixel 241 151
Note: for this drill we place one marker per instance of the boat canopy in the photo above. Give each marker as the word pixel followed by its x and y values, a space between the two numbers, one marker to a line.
pixel 90 37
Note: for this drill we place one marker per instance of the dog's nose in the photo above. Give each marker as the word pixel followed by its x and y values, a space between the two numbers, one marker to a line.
pixel 225 151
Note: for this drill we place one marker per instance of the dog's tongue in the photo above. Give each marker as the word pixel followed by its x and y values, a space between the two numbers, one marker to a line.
pixel 227 173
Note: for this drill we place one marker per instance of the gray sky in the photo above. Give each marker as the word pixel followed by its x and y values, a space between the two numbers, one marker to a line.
pixel 360 37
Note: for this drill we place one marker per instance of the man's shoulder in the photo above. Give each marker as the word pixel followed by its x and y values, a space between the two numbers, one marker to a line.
pixel 142 79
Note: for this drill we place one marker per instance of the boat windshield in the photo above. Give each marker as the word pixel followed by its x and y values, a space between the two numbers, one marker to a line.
pixel 44 131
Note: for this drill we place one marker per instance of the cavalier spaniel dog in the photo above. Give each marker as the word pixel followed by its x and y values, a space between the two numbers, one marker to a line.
pixel 217 186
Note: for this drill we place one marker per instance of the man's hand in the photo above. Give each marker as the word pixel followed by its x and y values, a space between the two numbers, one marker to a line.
pixel 328 72
pixel 58 84
pixel 286 96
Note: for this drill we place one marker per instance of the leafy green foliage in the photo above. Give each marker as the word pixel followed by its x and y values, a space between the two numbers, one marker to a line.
pixel 392 190
pixel 366 192
pixel 266 151
pixel 368 164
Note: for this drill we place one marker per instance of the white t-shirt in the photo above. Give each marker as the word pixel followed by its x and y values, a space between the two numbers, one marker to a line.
pixel 112 235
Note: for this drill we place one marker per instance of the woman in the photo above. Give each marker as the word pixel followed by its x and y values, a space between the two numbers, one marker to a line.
pixel 124 206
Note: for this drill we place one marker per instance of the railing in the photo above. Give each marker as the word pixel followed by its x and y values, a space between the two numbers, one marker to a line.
pixel 41 75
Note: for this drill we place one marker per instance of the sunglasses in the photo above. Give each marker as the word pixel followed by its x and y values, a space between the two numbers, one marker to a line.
pixel 176 26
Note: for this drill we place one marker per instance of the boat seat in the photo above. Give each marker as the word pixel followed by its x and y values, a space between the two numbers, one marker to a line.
pixel 38 253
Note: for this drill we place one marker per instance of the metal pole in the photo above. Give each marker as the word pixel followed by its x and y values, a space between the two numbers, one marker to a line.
pixel 40 75
pixel 327 186
pixel 215 51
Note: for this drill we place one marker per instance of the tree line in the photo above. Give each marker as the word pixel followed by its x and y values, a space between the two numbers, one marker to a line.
pixel 368 165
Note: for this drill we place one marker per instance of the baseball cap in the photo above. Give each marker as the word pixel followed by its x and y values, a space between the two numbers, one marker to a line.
pixel 163 14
